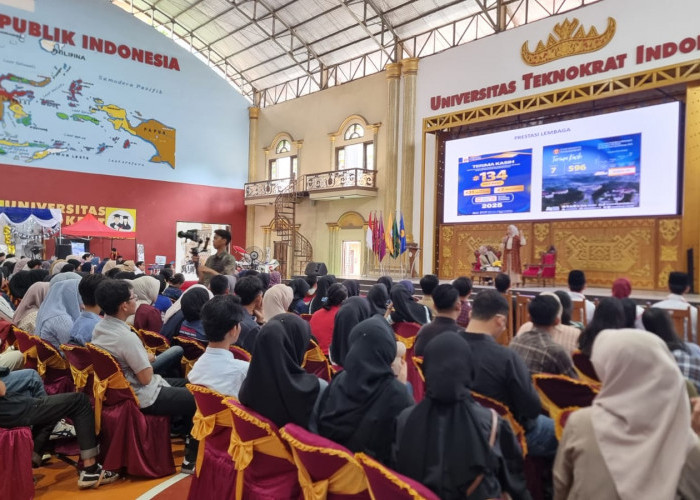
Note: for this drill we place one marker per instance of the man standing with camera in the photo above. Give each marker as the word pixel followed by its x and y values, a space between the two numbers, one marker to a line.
pixel 221 262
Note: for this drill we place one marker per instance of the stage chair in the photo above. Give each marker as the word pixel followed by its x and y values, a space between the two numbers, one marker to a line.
pixel 80 364
pixel 317 363
pixel 26 343
pixel 543 272
pixel 140 443
pixel 16 480
pixel 212 426
pixel 406 334
pixel 584 368
pixel 682 323
pixel 386 483
pixel 53 369
pixel 522 315
pixel 192 348
pixel 326 469
pixel 265 467
pixel 154 342
pixel 240 353
pixel 559 393
pixel 578 312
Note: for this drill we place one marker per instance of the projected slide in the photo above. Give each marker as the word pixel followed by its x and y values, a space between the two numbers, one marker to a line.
pixel 593 174
pixel 495 184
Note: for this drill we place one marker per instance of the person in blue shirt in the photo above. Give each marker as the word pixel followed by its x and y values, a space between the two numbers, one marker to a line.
pixel 81 333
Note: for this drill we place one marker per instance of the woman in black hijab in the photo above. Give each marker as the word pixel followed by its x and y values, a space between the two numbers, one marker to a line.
pixel 277 386
pixel 322 285
pixel 353 311
pixel 360 406
pixel 443 442
pixel 353 287
pixel 300 288
pixel 378 298
pixel 406 309
pixel 387 282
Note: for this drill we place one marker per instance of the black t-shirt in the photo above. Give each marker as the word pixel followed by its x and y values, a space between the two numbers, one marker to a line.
pixel 431 330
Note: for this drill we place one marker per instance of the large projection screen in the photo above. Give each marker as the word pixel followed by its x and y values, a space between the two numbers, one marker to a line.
pixel 621 164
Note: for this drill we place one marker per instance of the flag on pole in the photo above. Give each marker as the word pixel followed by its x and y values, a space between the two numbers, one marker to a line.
pixel 375 235
pixel 369 240
pixel 396 240
pixel 381 244
pixel 402 236
pixel 388 236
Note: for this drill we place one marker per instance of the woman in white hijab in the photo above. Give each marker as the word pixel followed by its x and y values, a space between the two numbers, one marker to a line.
pixel 635 442
pixel 276 300
pixel 510 245
pixel 147 317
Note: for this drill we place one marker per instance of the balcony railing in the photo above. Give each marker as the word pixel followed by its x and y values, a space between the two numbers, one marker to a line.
pixel 352 178
pixel 265 189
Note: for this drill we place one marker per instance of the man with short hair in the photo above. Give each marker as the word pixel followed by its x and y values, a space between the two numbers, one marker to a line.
pixel 678 286
pixel 250 290
pixel 536 347
pixel 448 307
pixel 464 288
pixel 428 283
pixel 219 285
pixel 34 264
pixel 217 369
pixel 140 267
pixel 81 333
pixel 221 262
pixel 156 395
pixel 577 283
pixel 503 376
pixel 502 283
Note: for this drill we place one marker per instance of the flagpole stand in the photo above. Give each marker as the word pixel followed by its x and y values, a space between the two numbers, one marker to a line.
pixel 413 253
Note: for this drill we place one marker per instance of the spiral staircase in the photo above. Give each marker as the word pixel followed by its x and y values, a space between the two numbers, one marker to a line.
pixel 300 252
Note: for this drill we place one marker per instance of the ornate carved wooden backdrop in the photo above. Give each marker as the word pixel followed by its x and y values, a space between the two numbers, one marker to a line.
pixel 644 250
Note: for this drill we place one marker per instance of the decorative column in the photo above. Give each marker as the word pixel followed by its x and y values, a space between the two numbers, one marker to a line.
pixel 393 73
pixel 691 186
pixel 253 113
pixel 408 144
pixel 333 261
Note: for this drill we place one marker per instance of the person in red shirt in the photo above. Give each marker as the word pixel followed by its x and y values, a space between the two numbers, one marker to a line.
pixel 322 320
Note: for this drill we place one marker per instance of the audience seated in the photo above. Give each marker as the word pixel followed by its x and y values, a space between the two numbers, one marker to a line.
pixel 217 369
pixel 276 301
pixel 503 376
pixel 162 303
pixel 387 282
pixel 451 444
pixel 636 440
pixel 25 315
pixel 157 396
pixel 464 287
pixel 323 319
pixel 658 321
pixel 359 408
pixel 565 333
pixel 277 386
pixel 609 314
pixel 536 347
pixel 378 299
pixel 147 317
pixel 173 290
pixel 448 305
pixel 406 309
pixel 577 284
pixel 81 333
pixel 428 283
pixel 173 317
pixel 23 403
pixel 353 287
pixel 322 285
pixel 299 288
pixel 622 289
pixel 191 307
pixel 58 312
pixel 219 285
pixel 352 312
pixel 678 286
pixel 250 290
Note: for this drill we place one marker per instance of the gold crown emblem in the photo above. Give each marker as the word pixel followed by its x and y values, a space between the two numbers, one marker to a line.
pixel 572 40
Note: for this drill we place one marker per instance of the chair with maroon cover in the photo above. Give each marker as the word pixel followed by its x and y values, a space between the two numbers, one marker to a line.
pixel 26 343
pixel 406 334
pixel 317 363
pixel 386 483
pixel 559 394
pixel 584 368
pixel 53 368
pixel 192 350
pixel 7 335
pixel 16 480
pixel 240 353
pixel 212 426
pixel 266 469
pixel 327 470
pixel 140 443
pixel 154 342
pixel 543 272
pixel 306 316
pixel 81 369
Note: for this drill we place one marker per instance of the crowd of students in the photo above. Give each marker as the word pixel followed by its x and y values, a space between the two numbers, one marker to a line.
pixel 635 441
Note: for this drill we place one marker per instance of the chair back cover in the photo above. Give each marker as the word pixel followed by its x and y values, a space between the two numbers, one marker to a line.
pixel 584 367
pixel 16 447
pixel 306 316
pixel 317 363
pixel 81 369
pixel 386 483
pixel 504 412
pixel 26 343
pixel 240 353
pixel 53 368
pixel 268 469
pixel 406 333
pixel 154 342
pixel 559 393
pixel 327 470
pixel 192 348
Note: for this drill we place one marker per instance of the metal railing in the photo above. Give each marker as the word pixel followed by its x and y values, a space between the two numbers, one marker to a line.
pixel 266 188
pixel 342 179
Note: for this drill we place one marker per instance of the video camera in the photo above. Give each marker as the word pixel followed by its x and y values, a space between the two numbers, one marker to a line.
pixel 193 235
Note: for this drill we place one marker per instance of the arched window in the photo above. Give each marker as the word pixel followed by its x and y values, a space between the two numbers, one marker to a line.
pixel 283 158
pixel 354 144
